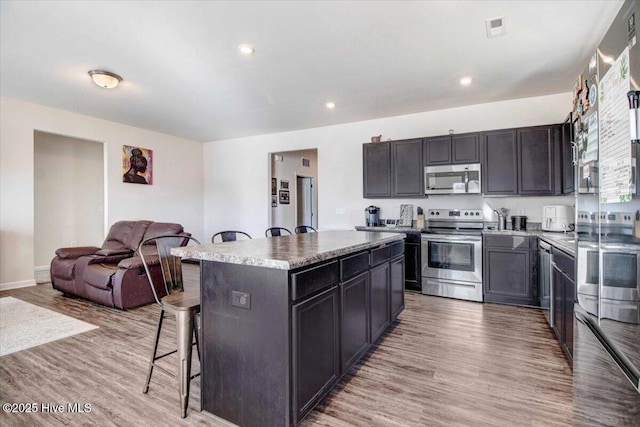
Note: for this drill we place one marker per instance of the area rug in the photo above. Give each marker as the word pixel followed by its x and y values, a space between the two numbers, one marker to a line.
pixel 24 325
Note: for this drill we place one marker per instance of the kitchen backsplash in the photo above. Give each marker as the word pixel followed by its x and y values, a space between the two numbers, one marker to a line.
pixel 531 207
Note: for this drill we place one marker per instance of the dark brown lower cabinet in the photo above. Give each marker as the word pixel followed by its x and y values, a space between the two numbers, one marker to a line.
pixel 510 270
pixel 355 319
pixel 316 364
pixel 396 272
pixel 413 262
pixel 564 292
pixel 380 313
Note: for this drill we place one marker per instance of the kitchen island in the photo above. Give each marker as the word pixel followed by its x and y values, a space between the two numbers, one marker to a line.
pixel 284 318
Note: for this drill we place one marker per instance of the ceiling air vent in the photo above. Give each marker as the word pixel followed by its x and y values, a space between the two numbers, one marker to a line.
pixel 305 162
pixel 495 27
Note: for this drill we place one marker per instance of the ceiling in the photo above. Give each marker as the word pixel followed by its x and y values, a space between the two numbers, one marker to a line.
pixel 184 75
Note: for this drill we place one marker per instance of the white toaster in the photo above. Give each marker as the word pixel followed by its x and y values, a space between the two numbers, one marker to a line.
pixel 557 218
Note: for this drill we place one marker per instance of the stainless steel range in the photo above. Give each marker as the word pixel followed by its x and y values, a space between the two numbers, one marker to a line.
pixel 452 254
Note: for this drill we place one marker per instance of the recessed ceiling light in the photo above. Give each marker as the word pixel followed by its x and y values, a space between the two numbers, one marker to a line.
pixel 246 49
pixel 465 81
pixel 330 105
pixel 105 79
pixel 608 59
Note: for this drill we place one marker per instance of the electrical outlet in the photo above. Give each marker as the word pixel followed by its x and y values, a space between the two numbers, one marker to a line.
pixel 241 300
pixel 73 243
pixel 339 211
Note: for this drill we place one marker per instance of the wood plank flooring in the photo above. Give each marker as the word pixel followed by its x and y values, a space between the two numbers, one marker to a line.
pixel 444 363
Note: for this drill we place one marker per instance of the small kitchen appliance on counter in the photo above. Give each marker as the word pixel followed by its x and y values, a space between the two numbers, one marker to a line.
pixel 518 223
pixel 557 218
pixel 372 216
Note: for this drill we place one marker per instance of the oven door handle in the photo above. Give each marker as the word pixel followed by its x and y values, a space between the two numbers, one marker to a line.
pixel 619 250
pixel 461 239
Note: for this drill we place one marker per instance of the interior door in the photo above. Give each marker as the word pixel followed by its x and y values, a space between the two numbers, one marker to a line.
pixel 306 201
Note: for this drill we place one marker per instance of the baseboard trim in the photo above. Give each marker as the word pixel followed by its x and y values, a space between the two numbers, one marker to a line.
pixel 42 274
pixel 15 285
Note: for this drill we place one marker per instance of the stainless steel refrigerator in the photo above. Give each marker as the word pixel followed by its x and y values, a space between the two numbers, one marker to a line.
pixel 606 359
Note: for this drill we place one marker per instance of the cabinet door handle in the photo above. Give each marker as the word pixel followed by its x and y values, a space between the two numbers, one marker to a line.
pixel 574 153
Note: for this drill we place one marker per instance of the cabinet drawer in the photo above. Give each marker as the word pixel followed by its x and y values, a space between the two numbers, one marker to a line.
pixel 380 255
pixel 506 241
pixel 564 262
pixel 396 249
pixel 313 279
pixel 354 264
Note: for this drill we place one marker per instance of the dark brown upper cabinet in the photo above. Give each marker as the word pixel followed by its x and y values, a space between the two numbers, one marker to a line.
pixel 393 169
pixel 376 170
pixel 500 163
pixel 539 161
pixel 406 168
pixel 452 149
pixel 524 161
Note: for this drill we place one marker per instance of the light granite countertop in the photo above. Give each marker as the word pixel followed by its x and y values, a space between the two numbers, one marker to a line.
pixel 389 229
pixel 563 241
pixel 289 252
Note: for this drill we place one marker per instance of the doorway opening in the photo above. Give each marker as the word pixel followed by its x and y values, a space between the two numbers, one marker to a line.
pixel 68 196
pixel 294 183
pixel 306 200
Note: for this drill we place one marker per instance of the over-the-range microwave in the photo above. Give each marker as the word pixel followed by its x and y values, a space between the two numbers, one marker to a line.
pixel 452 179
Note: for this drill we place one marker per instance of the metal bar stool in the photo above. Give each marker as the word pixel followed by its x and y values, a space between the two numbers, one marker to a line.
pixel 183 305
pixel 276 231
pixel 304 229
pixel 229 236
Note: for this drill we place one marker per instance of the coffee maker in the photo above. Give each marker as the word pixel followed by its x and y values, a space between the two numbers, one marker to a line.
pixel 372 216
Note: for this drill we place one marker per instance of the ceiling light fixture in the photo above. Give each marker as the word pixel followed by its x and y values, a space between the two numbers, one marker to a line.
pixel 105 79
pixel 608 59
pixel 246 49
pixel 465 81
pixel 331 105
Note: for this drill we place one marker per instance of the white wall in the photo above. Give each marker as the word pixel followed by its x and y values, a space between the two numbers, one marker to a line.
pixel 288 169
pixel 68 194
pixel 175 196
pixel 237 182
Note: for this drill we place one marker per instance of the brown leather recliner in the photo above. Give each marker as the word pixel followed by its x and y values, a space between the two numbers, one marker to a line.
pixel 112 275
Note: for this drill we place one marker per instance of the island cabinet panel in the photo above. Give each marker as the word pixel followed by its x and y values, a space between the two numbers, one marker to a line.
pixel 380 294
pixel 245 351
pixel 500 165
pixel 376 170
pixel 396 276
pixel 316 364
pixel 356 336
